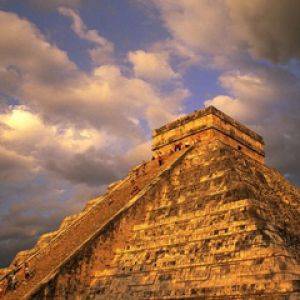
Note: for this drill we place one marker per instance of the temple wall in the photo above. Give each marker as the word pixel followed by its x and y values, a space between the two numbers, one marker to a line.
pixel 211 227
pixel 203 123
pixel 198 233
pixel 237 141
pixel 212 222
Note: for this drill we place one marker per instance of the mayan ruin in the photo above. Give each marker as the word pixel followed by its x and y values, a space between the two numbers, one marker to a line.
pixel 211 222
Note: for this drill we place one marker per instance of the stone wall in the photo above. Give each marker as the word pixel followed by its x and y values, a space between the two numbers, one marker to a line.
pixel 210 110
pixel 54 250
pixel 216 226
pixel 212 223
pixel 199 125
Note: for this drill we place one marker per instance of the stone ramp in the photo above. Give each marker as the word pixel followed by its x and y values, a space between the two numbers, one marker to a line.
pixel 47 260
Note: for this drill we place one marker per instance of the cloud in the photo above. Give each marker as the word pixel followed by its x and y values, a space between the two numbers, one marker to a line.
pixel 267 101
pixel 269 29
pixel 262 29
pixel 27 140
pixel 68 132
pixel 103 52
pixel 25 221
pixel 231 106
pixel 151 66
pixel 26 55
pixel 14 166
pixel 200 26
pixel 49 172
pixel 92 166
pixel 49 83
pixel 255 44
pixel 53 4
pixel 93 100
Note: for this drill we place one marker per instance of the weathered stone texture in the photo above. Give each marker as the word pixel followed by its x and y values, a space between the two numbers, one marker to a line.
pixel 206 125
pixel 215 228
pixel 212 231
pixel 213 223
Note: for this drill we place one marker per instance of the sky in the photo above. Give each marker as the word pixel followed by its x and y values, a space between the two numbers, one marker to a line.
pixel 83 83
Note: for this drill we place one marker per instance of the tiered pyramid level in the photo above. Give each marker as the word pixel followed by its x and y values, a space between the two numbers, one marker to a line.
pixel 212 223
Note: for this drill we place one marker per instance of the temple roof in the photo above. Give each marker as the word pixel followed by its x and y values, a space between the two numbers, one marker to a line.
pixel 204 112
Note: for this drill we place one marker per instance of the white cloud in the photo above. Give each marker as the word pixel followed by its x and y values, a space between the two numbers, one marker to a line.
pixel 103 52
pixel 267 101
pixel 230 35
pixel 201 27
pixel 25 132
pixel 70 131
pixel 50 84
pixel 220 32
pixel 151 66
pixel 231 106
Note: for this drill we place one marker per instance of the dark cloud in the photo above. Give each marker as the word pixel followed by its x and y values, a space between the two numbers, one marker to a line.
pixel 269 28
pixel 282 137
pixel 231 37
pixel 13 166
pixel 10 247
pixel 28 215
pixel 266 98
pixel 91 167
pixel 265 29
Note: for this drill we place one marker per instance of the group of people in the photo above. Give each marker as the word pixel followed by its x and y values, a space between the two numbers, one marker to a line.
pixel 11 280
pixel 138 171
pixel 135 189
pixel 159 156
pixel 177 147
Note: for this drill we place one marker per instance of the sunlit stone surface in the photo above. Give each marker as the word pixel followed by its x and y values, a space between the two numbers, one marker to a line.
pixel 213 222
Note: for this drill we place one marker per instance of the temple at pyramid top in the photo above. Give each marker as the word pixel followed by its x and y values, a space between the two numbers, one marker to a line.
pixel 206 125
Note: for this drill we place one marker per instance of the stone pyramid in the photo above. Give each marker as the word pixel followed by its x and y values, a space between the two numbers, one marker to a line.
pixel 213 222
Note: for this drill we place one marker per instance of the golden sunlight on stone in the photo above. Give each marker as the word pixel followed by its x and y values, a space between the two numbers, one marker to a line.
pixel 205 219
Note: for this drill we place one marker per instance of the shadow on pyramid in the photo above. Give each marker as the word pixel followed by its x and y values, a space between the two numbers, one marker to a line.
pixel 206 219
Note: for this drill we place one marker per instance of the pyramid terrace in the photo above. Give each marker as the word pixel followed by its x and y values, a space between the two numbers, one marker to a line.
pixel 207 125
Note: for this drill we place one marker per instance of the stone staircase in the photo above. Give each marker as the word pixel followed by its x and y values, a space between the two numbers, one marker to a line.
pixel 211 223
pixel 216 230
pixel 47 260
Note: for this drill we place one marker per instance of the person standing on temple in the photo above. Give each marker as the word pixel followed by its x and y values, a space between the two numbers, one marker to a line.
pixel 12 281
pixel 144 167
pixel 179 146
pixel 160 159
pixel 26 271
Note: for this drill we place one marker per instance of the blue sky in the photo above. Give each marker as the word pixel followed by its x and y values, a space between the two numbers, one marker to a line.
pixel 82 83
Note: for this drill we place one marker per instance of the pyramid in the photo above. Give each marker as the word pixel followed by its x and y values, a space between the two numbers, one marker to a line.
pixel 212 222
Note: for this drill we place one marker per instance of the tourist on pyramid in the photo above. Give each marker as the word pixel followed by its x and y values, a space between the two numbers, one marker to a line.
pixel 144 167
pixel 160 159
pixel 26 271
pixel 2 288
pixel 12 281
